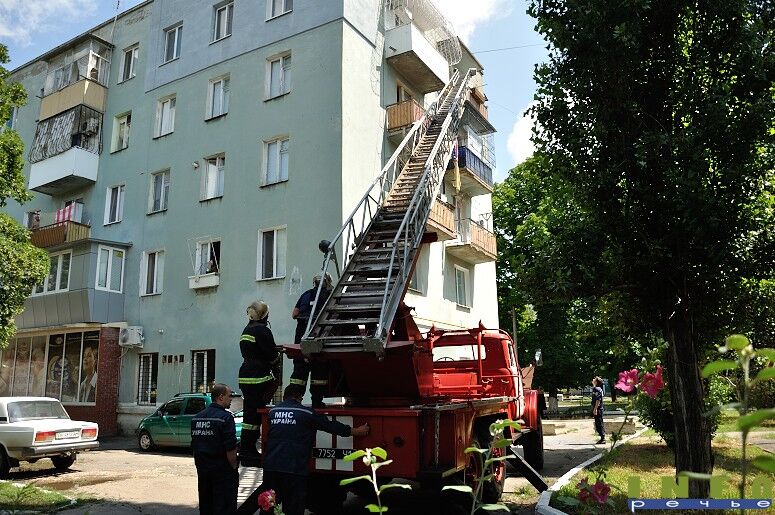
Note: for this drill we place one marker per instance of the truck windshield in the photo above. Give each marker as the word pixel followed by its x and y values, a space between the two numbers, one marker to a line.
pixel 457 353
pixel 35 410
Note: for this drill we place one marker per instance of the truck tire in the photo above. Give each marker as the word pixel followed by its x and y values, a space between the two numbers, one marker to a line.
pixel 64 461
pixel 493 488
pixel 533 446
pixel 325 497
pixel 5 464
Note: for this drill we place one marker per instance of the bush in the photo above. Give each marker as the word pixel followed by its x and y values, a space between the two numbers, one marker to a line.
pixel 762 394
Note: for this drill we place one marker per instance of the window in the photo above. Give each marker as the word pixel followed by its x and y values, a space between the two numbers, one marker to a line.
pixel 402 94
pixel 278 7
pixel 202 370
pixel 114 204
pixel 208 257
pixel 11 122
pixel 276 161
pixel 271 253
pixel 110 269
pixel 172 40
pixel 58 274
pixel 194 405
pixel 461 286
pixel 146 383
pixel 121 126
pixel 160 190
pixel 165 116
pixel 129 63
pixel 218 97
pixel 223 19
pixel 152 273
pixel 279 75
pixel 212 177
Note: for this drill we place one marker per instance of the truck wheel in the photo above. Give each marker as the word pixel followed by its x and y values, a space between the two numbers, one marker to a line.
pixel 325 497
pixel 533 446
pixel 145 441
pixel 64 461
pixel 492 489
pixel 5 465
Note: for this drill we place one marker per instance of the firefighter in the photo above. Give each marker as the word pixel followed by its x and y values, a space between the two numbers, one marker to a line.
pixel 292 430
pixel 302 366
pixel 256 380
pixel 214 442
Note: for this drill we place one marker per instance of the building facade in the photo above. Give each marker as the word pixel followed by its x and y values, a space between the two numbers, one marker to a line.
pixel 188 157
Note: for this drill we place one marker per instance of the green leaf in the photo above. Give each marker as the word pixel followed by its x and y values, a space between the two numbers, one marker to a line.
pixel 394 485
pixel 765 463
pixel 715 367
pixel 695 475
pixel 380 452
pixel 737 342
pixel 459 488
pixel 345 482
pixel 767 353
pixel 765 373
pixel 381 464
pixel 569 501
pixel 475 449
pixel 754 419
pixel 494 459
pixel 373 508
pixel 502 443
pixel 355 455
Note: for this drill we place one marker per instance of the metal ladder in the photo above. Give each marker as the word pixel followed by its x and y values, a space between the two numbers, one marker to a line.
pixel 381 237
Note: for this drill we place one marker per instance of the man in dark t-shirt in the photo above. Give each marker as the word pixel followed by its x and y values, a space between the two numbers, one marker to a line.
pixel 597 407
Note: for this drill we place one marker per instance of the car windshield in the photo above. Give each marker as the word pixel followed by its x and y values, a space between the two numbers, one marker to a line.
pixel 35 410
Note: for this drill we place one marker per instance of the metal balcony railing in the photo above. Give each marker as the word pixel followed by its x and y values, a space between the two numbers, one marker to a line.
pixel 79 127
pixel 471 232
pixel 473 163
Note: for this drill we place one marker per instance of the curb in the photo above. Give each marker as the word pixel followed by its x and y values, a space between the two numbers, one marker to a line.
pixel 542 506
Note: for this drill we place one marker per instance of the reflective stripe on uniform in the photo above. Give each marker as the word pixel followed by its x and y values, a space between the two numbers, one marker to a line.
pixel 250 427
pixel 254 380
pixel 319 382
pixel 300 382
pixel 247 338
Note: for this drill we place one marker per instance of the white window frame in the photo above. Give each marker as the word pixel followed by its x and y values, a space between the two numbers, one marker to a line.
pixel 158 270
pixel 210 111
pixel 12 120
pixel 175 31
pixel 116 142
pixel 466 285
pixel 119 208
pixel 286 6
pixel 56 289
pixel 201 354
pixel 220 171
pixel 200 263
pixel 132 53
pixel 276 265
pixel 159 125
pixel 164 201
pixel 150 357
pixel 286 75
pixel 109 268
pixel 278 151
pixel 228 9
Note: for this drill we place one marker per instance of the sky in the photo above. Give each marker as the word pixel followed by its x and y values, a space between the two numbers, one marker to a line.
pixel 490 28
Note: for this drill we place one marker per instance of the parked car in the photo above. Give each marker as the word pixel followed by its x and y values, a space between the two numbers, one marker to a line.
pixel 32 428
pixel 170 425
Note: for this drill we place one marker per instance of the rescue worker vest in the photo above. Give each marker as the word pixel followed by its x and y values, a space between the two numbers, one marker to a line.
pixel 258 353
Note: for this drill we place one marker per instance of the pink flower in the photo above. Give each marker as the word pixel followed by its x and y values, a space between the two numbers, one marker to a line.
pixel 267 501
pixel 600 492
pixel 584 495
pixel 627 380
pixel 652 384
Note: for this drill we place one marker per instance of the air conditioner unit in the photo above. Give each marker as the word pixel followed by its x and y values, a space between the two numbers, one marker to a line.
pixel 90 126
pixel 131 336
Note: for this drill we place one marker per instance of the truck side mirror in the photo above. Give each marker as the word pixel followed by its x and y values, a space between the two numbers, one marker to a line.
pixel 539 360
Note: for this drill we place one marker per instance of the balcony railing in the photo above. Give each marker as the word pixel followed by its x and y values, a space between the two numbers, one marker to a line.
pixel 466 159
pixel 80 127
pixel 59 233
pixel 403 114
pixel 476 244
pixel 442 220
pixel 90 61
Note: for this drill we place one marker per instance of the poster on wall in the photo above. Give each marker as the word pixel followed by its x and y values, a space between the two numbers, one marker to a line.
pixel 87 390
pixel 21 375
pixel 71 366
pixel 38 366
pixel 6 369
pixel 56 347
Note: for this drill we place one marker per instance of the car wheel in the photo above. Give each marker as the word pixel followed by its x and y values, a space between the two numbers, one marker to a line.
pixel 145 441
pixel 64 461
pixel 5 465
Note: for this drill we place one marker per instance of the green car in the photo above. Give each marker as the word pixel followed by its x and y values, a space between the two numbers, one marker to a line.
pixel 170 425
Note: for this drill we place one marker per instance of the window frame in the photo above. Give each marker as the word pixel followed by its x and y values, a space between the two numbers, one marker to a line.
pixel 220 176
pixel 153 378
pixel 285 85
pixel 228 7
pixel 158 271
pixel 275 253
pixel 287 7
pixel 114 144
pixel 198 262
pixel 165 188
pixel 135 51
pixel 159 122
pixel 225 81
pixel 466 286
pixel 207 354
pixel 12 121
pixel 265 173
pixel 178 42
pixel 109 268
pixel 59 255
pixel 108 204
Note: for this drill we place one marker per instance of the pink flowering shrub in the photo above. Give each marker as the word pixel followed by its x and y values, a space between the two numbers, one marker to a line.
pixel 650 384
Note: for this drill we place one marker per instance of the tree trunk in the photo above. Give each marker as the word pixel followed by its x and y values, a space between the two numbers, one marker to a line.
pixel 692 435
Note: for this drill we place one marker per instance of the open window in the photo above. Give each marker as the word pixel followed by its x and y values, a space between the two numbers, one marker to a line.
pixel 206 262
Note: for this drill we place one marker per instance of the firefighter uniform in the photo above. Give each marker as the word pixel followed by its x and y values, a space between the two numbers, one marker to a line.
pixel 213 434
pixel 256 380
pixel 292 429
pixel 301 366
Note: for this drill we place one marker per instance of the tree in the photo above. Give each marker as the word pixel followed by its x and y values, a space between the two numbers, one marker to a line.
pixel 656 119
pixel 23 264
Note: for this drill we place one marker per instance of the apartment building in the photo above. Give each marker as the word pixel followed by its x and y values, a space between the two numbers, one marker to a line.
pixel 187 158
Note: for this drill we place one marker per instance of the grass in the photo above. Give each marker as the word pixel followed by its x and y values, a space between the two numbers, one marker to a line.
pixel 651 461
pixel 728 421
pixel 29 497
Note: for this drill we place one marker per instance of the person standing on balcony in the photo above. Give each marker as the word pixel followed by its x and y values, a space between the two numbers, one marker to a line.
pixel 256 380
pixel 302 366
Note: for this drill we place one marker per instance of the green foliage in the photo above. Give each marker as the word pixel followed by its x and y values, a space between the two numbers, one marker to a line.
pixel 24 265
pixel 762 394
pixel 374 459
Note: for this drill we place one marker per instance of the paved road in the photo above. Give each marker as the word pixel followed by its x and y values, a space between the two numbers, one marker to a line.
pixel 134 482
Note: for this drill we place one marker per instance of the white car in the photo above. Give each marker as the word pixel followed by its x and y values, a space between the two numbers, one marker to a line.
pixel 39 427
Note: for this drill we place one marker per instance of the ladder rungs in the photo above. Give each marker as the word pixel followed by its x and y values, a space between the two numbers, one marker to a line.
pixel 354 321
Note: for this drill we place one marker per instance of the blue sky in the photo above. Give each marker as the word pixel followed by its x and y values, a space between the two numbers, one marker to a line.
pixel 490 28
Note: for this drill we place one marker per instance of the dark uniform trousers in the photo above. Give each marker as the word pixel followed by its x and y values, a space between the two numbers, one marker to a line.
pixel 291 488
pixel 302 368
pixel 217 487
pixel 213 435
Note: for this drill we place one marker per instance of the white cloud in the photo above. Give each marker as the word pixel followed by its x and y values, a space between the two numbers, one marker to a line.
pixel 466 19
pixel 519 145
pixel 20 19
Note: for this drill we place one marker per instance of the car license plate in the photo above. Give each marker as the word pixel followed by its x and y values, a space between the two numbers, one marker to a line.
pixel 62 435
pixel 328 453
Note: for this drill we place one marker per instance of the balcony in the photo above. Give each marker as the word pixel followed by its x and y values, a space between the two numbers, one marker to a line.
pixel 475 244
pixel 442 221
pixel 400 118
pixel 475 173
pixel 60 233
pixel 84 92
pixel 414 57
pixel 203 281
